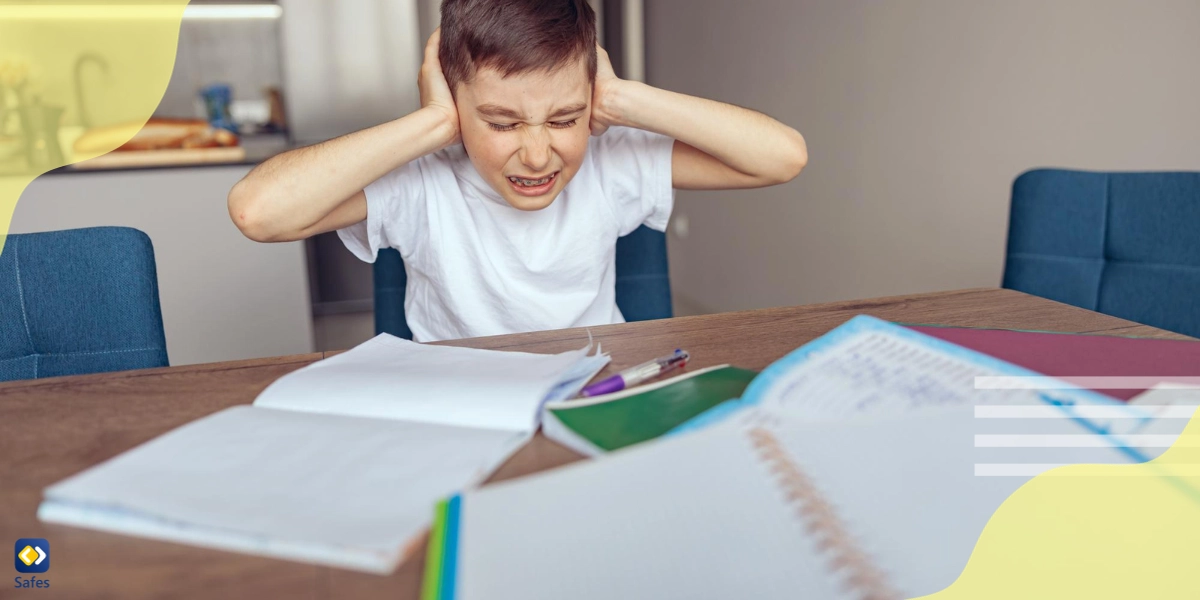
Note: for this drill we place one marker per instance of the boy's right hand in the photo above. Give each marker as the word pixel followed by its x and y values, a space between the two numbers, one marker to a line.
pixel 435 92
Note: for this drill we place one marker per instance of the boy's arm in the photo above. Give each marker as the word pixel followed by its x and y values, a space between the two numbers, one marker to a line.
pixel 717 145
pixel 319 188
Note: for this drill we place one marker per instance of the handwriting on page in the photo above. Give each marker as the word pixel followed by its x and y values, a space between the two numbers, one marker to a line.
pixel 876 372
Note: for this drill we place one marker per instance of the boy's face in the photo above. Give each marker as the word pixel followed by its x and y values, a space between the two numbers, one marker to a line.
pixel 526 133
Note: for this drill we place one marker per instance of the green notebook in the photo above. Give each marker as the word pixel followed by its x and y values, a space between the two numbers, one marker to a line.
pixel 613 421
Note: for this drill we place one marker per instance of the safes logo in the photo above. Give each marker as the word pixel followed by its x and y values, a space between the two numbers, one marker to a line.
pixel 32 555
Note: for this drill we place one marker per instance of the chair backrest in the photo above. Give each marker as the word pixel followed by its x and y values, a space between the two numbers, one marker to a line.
pixel 79 301
pixel 643 282
pixel 1123 244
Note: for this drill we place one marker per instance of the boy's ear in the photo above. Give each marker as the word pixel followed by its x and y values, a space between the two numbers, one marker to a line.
pixel 454 89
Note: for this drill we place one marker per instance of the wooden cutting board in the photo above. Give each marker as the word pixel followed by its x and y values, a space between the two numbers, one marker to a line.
pixel 162 158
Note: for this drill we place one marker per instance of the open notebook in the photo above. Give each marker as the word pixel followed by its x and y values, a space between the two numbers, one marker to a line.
pixel 882 507
pixel 338 463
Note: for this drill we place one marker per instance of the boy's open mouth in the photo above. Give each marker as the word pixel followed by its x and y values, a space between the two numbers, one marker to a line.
pixel 533 187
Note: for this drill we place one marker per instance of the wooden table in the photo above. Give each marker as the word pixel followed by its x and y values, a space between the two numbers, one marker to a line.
pixel 53 428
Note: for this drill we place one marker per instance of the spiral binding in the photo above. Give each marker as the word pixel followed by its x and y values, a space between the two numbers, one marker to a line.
pixel 862 577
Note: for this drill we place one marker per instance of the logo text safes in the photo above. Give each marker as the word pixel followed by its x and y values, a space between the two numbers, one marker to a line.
pixel 31 555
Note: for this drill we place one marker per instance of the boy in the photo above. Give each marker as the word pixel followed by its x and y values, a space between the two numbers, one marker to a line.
pixel 506 191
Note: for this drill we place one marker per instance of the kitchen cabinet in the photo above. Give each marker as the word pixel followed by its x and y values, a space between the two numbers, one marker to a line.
pixel 224 297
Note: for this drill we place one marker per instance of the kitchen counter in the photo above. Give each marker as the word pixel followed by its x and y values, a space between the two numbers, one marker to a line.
pixel 252 157
pixel 259 148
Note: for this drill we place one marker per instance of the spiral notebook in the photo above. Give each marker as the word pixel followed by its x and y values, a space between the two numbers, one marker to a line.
pixel 873 507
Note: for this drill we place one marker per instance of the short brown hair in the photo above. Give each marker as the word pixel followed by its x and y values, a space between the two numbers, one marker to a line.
pixel 515 36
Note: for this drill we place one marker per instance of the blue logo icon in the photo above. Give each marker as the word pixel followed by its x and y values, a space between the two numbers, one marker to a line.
pixel 31 555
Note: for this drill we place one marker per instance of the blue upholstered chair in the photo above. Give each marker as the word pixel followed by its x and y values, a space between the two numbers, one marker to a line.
pixel 1124 244
pixel 79 301
pixel 643 285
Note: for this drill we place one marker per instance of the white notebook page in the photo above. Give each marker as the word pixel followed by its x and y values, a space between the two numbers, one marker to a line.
pixel 387 377
pixel 695 516
pixel 338 490
pixel 877 372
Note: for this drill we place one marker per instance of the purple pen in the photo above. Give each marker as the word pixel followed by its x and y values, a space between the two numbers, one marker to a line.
pixel 635 375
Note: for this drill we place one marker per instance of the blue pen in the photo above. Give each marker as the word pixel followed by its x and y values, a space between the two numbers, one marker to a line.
pixel 635 375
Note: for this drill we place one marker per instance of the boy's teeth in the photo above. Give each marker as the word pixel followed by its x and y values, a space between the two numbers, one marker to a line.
pixel 529 182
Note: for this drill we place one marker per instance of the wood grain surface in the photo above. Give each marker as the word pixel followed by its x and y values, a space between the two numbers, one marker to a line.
pixel 53 428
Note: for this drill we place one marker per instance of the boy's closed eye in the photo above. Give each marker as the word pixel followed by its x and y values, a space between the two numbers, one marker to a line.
pixel 512 126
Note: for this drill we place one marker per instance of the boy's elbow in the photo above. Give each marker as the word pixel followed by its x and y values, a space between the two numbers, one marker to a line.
pixel 245 208
pixel 791 158
pixel 796 159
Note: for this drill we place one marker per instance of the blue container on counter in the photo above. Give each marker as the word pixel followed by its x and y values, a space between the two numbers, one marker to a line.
pixel 216 104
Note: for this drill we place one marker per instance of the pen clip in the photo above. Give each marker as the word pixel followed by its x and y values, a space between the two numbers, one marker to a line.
pixel 680 359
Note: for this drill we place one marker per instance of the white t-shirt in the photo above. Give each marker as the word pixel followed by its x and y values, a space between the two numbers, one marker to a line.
pixel 477 266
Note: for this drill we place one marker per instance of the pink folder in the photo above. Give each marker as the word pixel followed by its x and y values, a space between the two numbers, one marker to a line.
pixel 1067 355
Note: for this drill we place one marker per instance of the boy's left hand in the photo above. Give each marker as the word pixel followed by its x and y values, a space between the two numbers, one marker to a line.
pixel 603 115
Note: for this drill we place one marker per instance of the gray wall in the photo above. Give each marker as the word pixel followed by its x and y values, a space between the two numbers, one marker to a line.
pixel 348 65
pixel 918 115
pixel 241 54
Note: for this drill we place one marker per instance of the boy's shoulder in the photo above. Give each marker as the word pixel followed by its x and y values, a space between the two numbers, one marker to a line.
pixel 621 134
pixel 623 144
pixel 450 162
pixel 447 157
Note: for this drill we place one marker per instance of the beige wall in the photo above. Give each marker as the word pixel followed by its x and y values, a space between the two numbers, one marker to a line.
pixel 918 115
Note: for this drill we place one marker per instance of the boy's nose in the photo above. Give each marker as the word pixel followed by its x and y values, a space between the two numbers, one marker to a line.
pixel 535 152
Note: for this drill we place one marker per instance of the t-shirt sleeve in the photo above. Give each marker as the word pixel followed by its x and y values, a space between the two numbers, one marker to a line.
pixel 634 167
pixel 395 204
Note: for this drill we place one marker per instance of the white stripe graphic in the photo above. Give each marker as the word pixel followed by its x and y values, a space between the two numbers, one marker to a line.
pixel 1141 411
pixel 1008 382
pixel 1034 469
pixel 1083 441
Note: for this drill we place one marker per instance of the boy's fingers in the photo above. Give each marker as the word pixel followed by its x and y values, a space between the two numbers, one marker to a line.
pixel 597 127
pixel 431 47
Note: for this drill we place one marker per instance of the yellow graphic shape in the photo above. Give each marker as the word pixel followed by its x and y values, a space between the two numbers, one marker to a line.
pixel 1095 531
pixel 73 69
pixel 27 555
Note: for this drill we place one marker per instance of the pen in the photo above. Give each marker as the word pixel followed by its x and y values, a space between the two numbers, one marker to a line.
pixel 635 375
